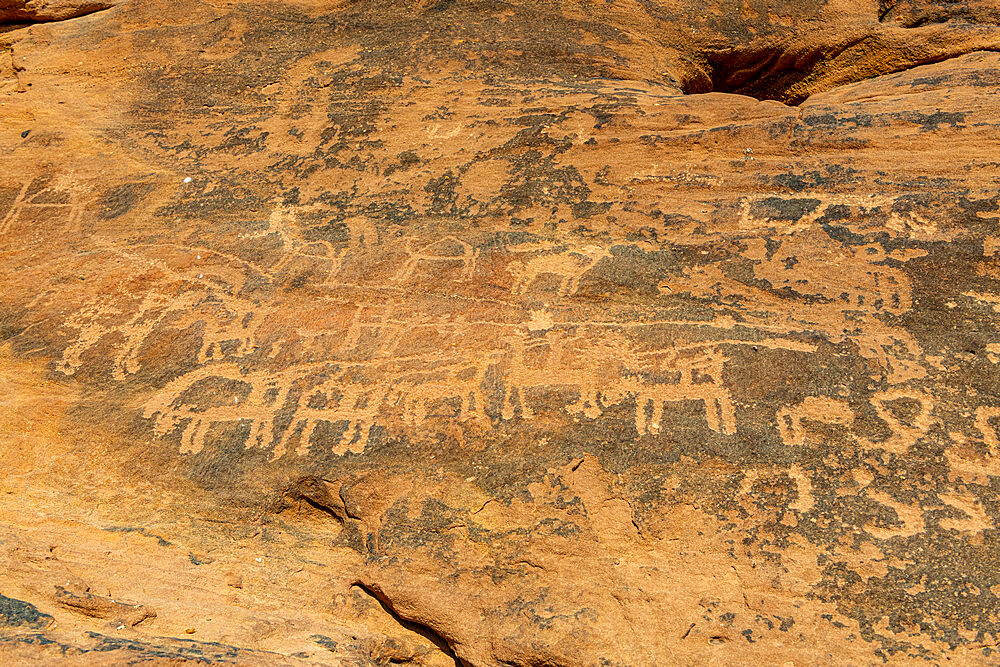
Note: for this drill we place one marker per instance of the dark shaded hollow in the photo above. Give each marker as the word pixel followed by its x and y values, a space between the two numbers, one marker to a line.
pixel 764 73
pixel 774 72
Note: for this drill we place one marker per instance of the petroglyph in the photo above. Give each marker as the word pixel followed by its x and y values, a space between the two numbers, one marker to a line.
pixel 281 223
pixel 600 368
pixel 816 285
pixel 284 222
pixel 699 378
pixel 418 394
pixel 966 462
pixel 608 371
pixel 225 323
pixel 410 390
pixel 306 395
pixel 601 365
pixel 909 516
pixel 223 394
pixel 905 430
pixel 960 510
pixel 818 409
pixel 403 268
pixel 560 359
pixel 568 266
pixel 811 264
pixel 812 209
pixel 448 250
pixel 52 194
pixel 971 516
pixel 611 369
pixel 598 362
pixel 888 405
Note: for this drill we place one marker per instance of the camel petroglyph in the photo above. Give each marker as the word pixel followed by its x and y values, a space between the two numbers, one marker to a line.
pixel 568 266
pixel 224 320
pixel 283 223
pixel 447 250
pixel 42 194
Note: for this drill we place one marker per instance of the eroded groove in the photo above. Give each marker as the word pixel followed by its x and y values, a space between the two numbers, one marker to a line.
pixel 885 8
pixel 423 630
pixel 21 13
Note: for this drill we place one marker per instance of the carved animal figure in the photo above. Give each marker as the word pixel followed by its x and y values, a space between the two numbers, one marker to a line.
pixel 699 378
pixel 819 409
pixel 282 222
pixel 418 393
pixel 43 194
pixel 449 250
pixel 569 266
pixel 225 324
pixel 278 405
pixel 196 400
pixel 608 373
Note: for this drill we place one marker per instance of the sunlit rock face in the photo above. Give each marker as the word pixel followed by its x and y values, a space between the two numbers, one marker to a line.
pixel 492 333
pixel 21 12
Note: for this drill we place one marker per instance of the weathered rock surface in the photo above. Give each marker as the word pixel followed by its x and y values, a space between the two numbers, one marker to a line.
pixel 36 11
pixel 495 333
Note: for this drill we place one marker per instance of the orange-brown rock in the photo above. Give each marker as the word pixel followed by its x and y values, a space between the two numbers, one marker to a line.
pixel 499 333
pixel 32 11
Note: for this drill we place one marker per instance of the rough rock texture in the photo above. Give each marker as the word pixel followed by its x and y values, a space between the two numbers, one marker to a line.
pixel 500 333
pixel 30 11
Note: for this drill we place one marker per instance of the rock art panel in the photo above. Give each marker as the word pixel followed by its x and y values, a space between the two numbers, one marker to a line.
pixel 367 333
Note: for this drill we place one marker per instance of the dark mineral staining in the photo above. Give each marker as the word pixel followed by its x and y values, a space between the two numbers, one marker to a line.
pixel 118 201
pixel 325 642
pixel 15 614
pixel 776 208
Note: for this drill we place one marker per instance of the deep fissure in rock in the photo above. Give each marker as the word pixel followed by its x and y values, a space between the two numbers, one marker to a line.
pixel 423 630
pixel 22 15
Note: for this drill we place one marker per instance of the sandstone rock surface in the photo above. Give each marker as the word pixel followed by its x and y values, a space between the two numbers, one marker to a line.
pixel 499 333
pixel 35 11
